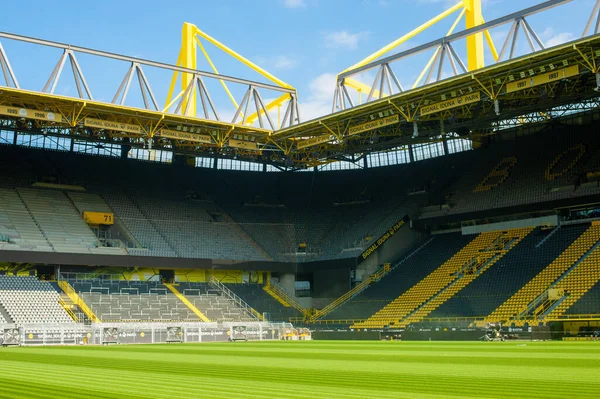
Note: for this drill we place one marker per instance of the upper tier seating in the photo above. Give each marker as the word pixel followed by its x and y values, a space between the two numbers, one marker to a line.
pixel 174 211
pixel 28 300
pixel 18 230
pixel 59 220
pixel 531 172
pixel 192 232
pixel 161 211
pixel 154 244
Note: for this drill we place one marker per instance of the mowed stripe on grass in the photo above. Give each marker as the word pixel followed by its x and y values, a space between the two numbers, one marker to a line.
pixel 318 369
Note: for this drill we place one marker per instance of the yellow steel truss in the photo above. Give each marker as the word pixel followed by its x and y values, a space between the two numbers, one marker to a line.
pixel 470 9
pixel 188 57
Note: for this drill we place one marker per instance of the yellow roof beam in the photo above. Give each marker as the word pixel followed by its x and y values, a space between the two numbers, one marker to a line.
pixel 437 50
pixel 240 58
pixel 491 45
pixel 187 58
pixel 474 18
pixel 275 103
pixel 407 36
pixel 214 68
pixel 360 87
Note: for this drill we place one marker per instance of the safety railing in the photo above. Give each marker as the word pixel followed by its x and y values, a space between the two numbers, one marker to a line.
pixel 68 309
pixel 283 296
pixel 362 286
pixel 452 319
pixel 187 302
pixel 578 317
pixel 353 292
pixel 340 321
pixel 68 289
pixel 235 299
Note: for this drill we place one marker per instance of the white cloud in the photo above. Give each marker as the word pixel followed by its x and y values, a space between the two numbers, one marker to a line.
pixel 551 38
pixel 294 3
pixel 448 3
pixel 276 62
pixel 559 38
pixel 320 99
pixel 284 62
pixel 344 39
pixel 322 86
pixel 260 60
pixel 445 3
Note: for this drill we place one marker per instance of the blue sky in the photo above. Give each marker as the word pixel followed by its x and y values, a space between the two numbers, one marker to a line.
pixel 303 42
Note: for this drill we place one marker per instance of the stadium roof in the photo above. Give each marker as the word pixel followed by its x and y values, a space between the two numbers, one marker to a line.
pixel 478 103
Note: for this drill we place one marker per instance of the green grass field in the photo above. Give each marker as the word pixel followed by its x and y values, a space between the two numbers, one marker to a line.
pixel 318 369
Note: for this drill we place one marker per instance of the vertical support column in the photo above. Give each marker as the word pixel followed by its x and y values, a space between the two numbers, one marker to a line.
pixel 473 18
pixel 188 60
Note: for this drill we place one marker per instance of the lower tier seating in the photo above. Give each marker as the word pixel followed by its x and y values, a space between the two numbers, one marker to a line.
pixel 213 303
pixel 509 274
pixel 27 300
pixel 478 253
pixel 589 302
pixel 519 302
pixel 255 296
pixel 152 301
pixel 400 279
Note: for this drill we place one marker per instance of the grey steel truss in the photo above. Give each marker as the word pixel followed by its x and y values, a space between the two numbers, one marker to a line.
pixel 291 115
pixel 520 24
pixel 77 75
pixel 7 71
pixel 444 51
pixel 594 16
pixel 144 87
pixel 141 61
pixel 253 95
pixel 456 36
pixel 196 87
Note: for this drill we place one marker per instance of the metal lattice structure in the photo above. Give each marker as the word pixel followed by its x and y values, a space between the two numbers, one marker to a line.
pixel 192 40
pixel 454 95
pixel 443 51
pixel 151 125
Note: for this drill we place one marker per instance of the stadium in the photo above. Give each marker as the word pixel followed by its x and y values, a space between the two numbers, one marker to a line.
pixel 438 238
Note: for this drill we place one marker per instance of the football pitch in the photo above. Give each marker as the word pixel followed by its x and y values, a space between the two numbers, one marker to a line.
pixel 318 369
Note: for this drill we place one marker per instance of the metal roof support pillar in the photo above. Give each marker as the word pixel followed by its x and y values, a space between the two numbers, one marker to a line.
pixel 188 60
pixel 474 18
